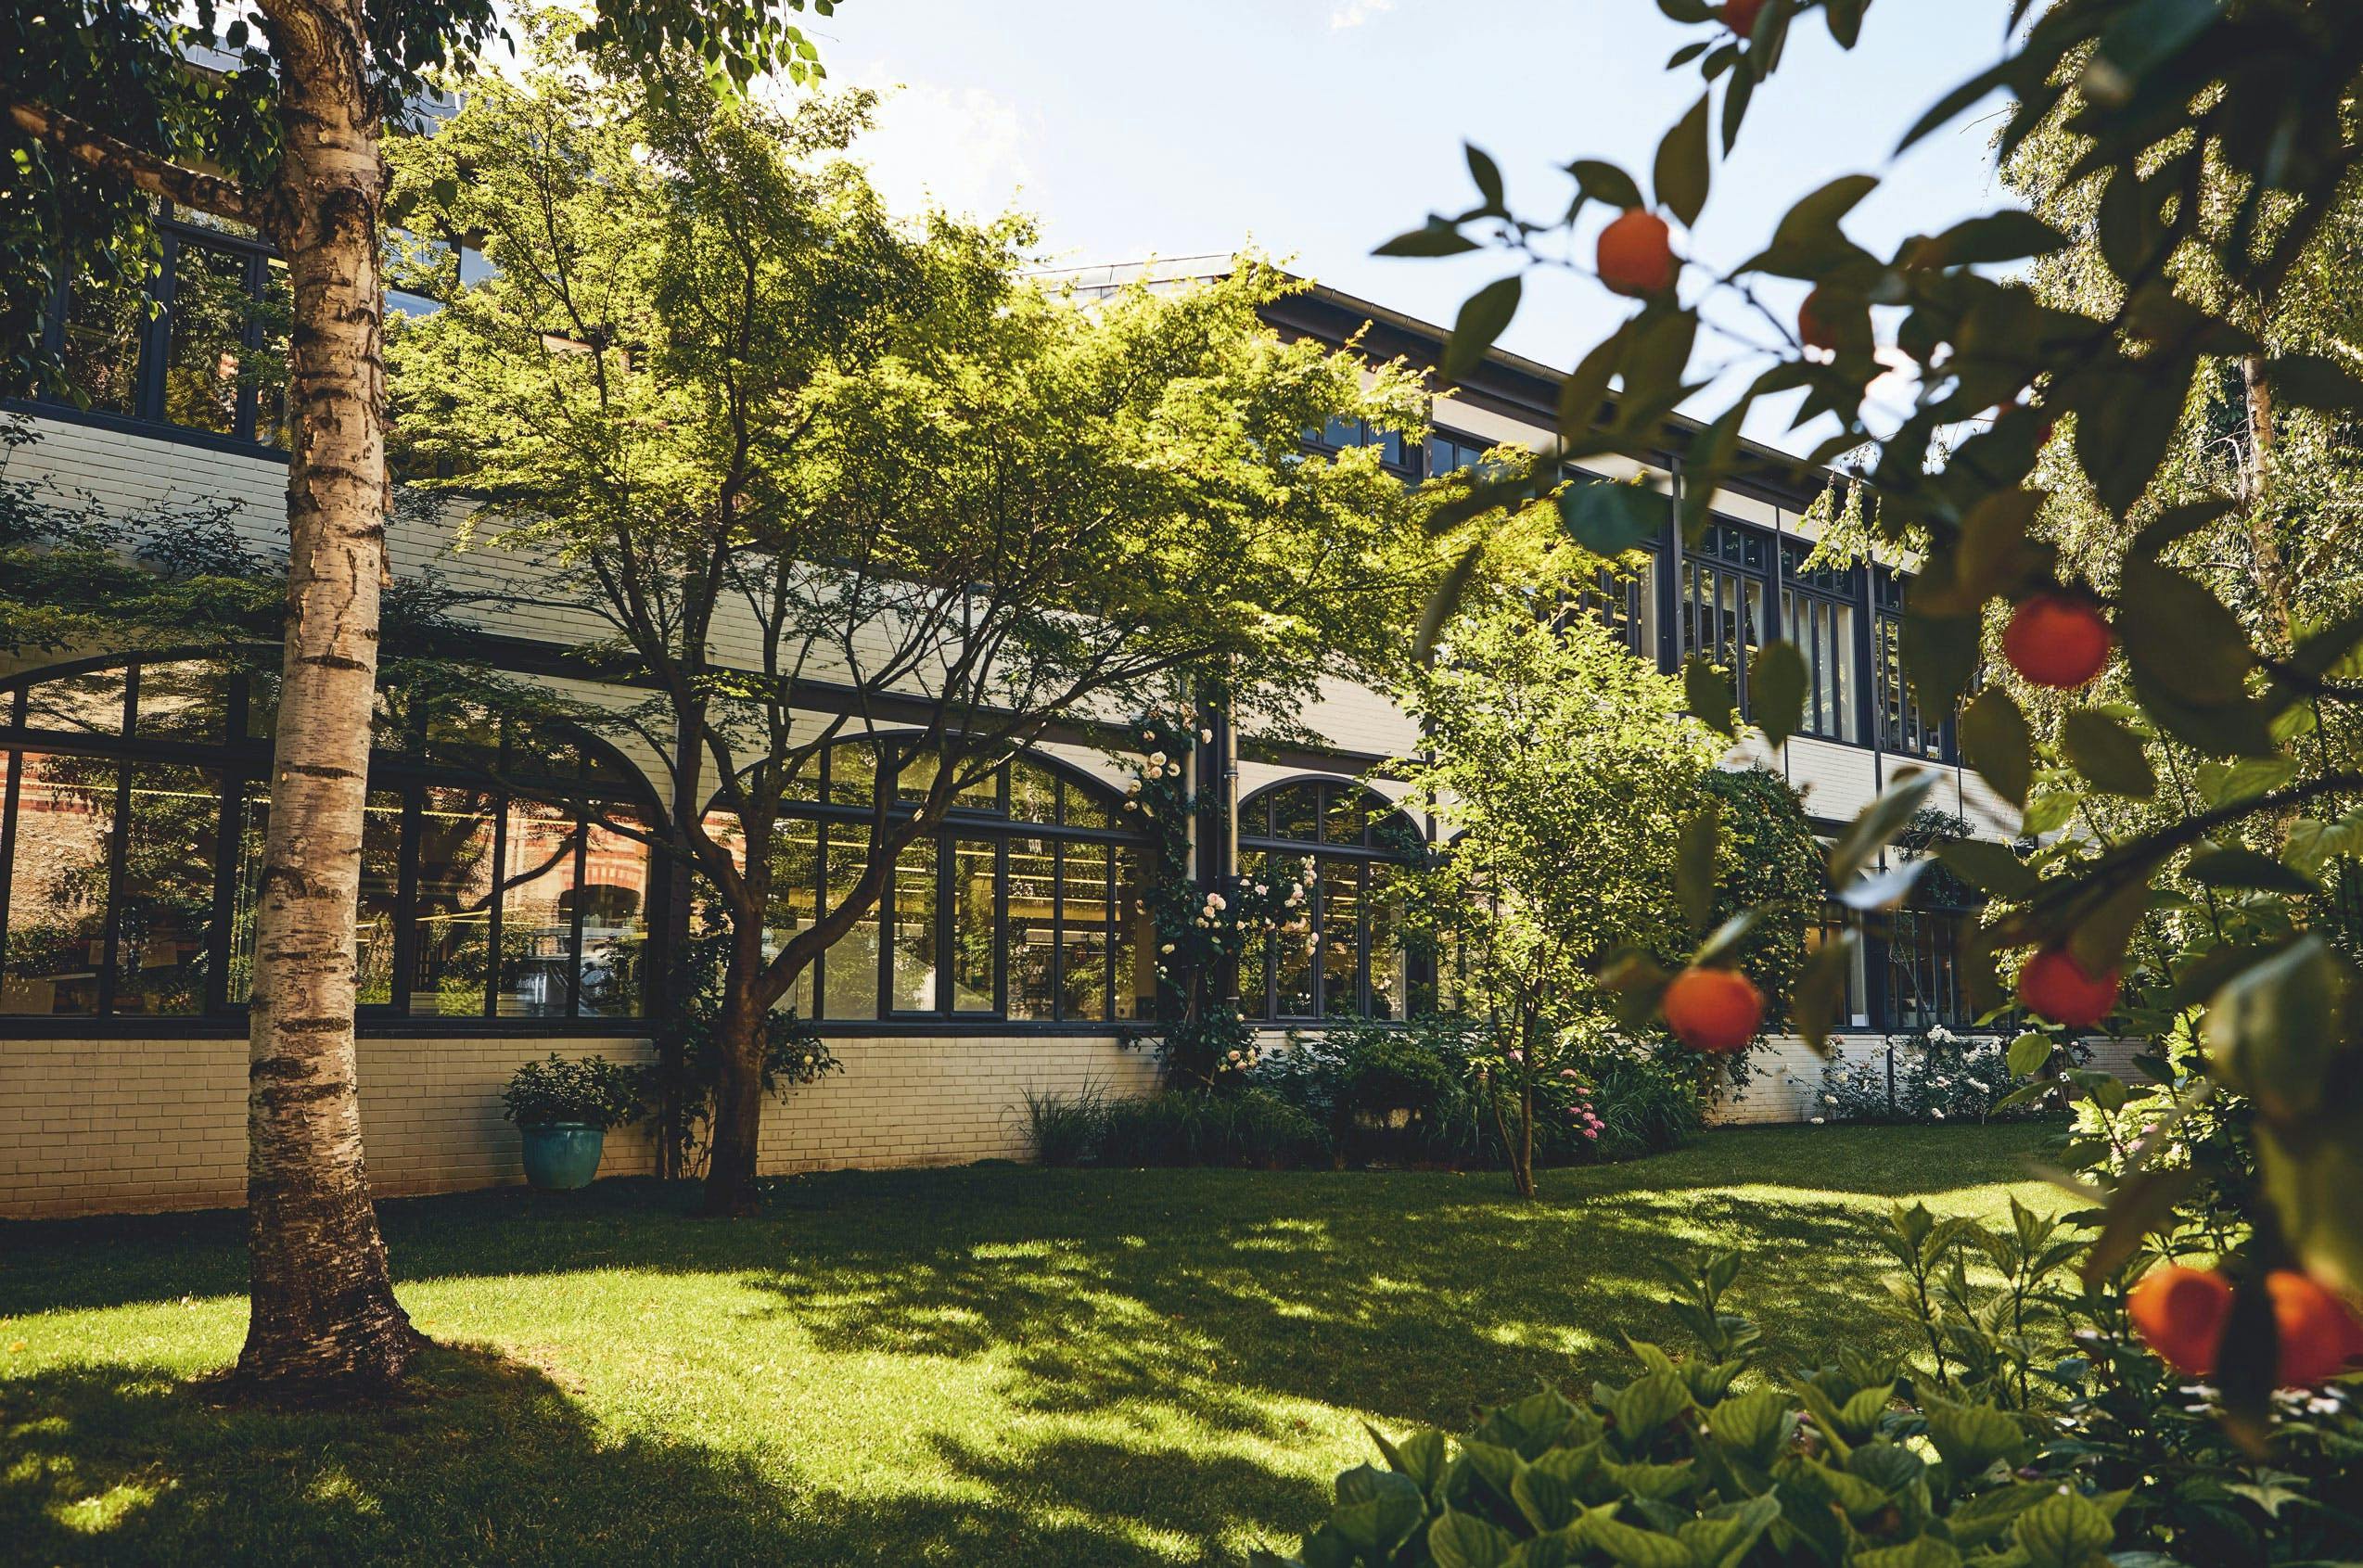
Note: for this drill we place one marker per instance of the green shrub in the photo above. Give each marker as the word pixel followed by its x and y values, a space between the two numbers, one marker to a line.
pixel 1064 1129
pixel 2031 1432
pixel 1648 1102
pixel 1191 1128
pixel 589 1090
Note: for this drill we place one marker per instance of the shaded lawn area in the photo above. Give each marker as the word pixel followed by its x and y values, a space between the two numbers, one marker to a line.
pixel 980 1365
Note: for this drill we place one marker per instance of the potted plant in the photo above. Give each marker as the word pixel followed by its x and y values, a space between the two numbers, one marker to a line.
pixel 563 1107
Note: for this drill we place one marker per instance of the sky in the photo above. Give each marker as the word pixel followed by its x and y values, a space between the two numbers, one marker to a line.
pixel 1315 129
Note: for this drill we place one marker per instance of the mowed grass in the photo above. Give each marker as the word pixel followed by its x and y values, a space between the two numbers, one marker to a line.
pixel 983 1366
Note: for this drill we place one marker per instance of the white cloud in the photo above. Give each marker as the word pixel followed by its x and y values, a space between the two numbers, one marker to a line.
pixel 961 148
pixel 1353 13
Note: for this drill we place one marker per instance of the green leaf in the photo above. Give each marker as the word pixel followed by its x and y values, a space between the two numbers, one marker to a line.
pixel 1971 1437
pixel 1681 172
pixel 1376 1508
pixel 2237 867
pixel 1820 991
pixel 1988 867
pixel 2273 1030
pixel 1433 237
pixel 1939 654
pixel 2108 753
pixel 2029 1054
pixel 2315 381
pixel 1637 1549
pixel 1921 1551
pixel 1648 1403
pixel 1463 1540
pixel 1483 316
pixel 1694 862
pixel 2062 1531
pixel 1878 824
pixel 1583 393
pixel 2179 634
pixel 1487 173
pixel 2011 236
pixel 1445 601
pixel 1996 741
pixel 1776 689
pixel 1605 182
pixel 1814 218
pixel 1608 518
pixel 1707 692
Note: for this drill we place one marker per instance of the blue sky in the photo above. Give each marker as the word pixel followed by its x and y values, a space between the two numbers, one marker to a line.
pixel 1317 128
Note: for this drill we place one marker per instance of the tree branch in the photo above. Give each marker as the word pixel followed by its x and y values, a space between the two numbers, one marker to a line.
pixel 136 167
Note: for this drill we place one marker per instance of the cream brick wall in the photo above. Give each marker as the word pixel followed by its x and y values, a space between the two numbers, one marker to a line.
pixel 140 1124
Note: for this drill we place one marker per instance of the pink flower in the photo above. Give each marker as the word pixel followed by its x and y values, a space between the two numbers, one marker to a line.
pixel 1568 1072
pixel 1516 1056
pixel 1592 1132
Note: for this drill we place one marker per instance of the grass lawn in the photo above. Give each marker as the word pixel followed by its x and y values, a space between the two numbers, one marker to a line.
pixel 990 1365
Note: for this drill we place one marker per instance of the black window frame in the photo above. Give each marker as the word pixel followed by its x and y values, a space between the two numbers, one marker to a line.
pixel 1836 593
pixel 1903 729
pixel 241 761
pixel 1381 818
pixel 974 824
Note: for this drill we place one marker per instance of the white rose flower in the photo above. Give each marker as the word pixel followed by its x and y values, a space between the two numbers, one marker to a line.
pixel 1157 759
pixel 1167 948
pixel 1206 735
pixel 1820 1120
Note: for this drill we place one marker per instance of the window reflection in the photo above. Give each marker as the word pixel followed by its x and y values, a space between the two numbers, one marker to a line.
pixel 164 905
pixel 538 878
pixel 849 968
pixel 1083 907
pixel 57 912
pixel 452 932
pixel 914 928
pixel 1351 960
pixel 206 354
pixel 975 925
pixel 1033 927
pixel 105 323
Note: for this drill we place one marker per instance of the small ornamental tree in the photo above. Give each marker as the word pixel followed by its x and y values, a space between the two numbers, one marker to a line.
pixel 805 472
pixel 1559 768
pixel 2131 572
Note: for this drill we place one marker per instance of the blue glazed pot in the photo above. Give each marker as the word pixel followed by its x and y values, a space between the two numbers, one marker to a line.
pixel 560 1156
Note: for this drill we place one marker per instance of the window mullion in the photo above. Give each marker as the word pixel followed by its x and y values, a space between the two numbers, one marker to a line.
pixel 117 853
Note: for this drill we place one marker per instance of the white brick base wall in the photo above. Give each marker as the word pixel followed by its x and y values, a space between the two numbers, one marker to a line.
pixel 1785 1082
pixel 128 1126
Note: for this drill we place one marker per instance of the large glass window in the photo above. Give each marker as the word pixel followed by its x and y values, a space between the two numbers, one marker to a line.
pixel 1010 909
pixel 1902 726
pixel 202 345
pixel 1818 612
pixel 1721 610
pixel 1923 969
pixel 1348 961
pixel 132 833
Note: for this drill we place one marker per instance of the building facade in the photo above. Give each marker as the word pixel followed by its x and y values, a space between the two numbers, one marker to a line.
pixel 495 927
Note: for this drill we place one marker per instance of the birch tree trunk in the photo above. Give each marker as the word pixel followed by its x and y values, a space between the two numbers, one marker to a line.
pixel 324 1314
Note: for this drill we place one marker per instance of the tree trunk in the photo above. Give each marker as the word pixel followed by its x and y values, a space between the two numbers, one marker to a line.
pixel 738 1081
pixel 324 1316
pixel 2263 444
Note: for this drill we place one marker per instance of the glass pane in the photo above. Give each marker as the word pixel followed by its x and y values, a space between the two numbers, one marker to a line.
pixel 1293 968
pixel 849 968
pixel 1033 791
pixel 918 776
pixel 976 931
pixel 1083 958
pixel 207 352
pixel 453 928
pixel 88 704
pixel 1135 957
pixel 853 772
pixel 536 912
pixel 381 859
pixel 462 734
pixel 1296 811
pixel 1255 964
pixel 165 914
pixel 104 324
pixel 1341 904
pixel 1032 939
pixel 271 372
pixel 1083 807
pixel 185 700
pixel 914 928
pixel 796 866
pixel 615 921
pixel 1390 974
pixel 58 887
pixel 1343 816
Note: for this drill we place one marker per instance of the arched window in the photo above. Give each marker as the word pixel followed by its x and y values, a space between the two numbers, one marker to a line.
pixel 136 795
pixel 1017 907
pixel 1356 839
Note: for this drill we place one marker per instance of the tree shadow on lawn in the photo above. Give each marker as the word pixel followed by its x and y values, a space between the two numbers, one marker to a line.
pixel 494 1462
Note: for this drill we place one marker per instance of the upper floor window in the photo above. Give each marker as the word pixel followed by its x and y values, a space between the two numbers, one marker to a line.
pixel 1720 595
pixel 1018 906
pixel 1351 962
pixel 1338 434
pixel 1449 452
pixel 500 876
pixel 202 345
pixel 1818 611
pixel 1903 727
